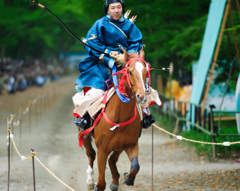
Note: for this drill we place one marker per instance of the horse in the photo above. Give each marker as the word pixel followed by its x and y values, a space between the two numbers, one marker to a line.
pixel 122 138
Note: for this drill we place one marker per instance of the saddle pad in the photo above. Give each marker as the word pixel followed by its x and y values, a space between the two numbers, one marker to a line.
pixel 96 106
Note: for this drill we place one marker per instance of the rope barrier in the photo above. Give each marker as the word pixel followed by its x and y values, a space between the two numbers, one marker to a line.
pixel 15 147
pixel 53 174
pixel 194 141
pixel 33 154
pixel 41 102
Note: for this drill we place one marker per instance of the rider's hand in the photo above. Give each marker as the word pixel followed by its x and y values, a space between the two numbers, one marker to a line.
pixel 114 53
pixel 119 60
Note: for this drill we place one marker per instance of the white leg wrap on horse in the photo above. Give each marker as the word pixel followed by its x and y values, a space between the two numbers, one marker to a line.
pixel 89 173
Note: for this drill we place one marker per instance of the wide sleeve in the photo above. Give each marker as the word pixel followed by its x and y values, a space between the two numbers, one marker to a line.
pixel 95 39
pixel 135 40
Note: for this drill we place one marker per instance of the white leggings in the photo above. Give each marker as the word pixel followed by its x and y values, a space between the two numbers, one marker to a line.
pixel 82 102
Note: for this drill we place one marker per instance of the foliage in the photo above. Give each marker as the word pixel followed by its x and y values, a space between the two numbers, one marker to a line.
pixel 173 30
pixel 228 127
pixel 29 31
pixel 227 55
pixel 222 151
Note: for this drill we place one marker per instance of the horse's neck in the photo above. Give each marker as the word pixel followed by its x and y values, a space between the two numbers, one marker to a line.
pixel 119 108
pixel 129 106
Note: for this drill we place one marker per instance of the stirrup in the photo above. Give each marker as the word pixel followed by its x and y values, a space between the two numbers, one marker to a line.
pixel 83 123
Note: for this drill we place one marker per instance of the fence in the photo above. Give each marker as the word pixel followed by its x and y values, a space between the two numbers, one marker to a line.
pixel 181 111
pixel 189 116
pixel 32 112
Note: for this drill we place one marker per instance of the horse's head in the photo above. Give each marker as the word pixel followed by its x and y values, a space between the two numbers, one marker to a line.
pixel 135 73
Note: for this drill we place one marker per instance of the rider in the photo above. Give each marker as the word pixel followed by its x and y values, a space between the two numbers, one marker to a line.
pixel 105 35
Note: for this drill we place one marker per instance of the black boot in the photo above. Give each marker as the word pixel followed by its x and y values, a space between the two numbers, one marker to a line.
pixel 148 121
pixel 83 123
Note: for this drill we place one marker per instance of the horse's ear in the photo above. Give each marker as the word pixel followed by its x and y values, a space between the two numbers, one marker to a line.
pixel 126 55
pixel 142 53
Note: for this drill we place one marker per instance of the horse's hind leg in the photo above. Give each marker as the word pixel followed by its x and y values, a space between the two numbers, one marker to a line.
pixel 132 153
pixel 115 174
pixel 91 157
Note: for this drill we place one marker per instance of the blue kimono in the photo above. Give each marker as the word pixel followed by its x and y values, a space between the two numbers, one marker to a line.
pixel 106 37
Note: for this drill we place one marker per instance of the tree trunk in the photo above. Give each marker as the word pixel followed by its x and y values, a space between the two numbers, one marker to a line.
pixel 3 51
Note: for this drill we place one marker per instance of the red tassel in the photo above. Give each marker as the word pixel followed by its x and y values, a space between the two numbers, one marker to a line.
pixel 76 114
pixel 85 89
pixel 121 87
pixel 80 138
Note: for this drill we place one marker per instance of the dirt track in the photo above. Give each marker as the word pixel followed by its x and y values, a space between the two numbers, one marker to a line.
pixel 53 135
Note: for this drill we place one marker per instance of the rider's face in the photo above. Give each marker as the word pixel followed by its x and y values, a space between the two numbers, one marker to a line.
pixel 115 11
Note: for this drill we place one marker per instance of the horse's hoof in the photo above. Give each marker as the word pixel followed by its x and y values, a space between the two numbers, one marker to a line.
pixel 127 179
pixel 113 187
pixel 95 187
pixel 90 186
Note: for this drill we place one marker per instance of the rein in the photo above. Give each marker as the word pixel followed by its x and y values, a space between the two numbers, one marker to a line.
pixel 115 125
pixel 124 71
pixel 125 76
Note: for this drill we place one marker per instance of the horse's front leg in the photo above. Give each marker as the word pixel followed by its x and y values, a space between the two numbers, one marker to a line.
pixel 132 153
pixel 91 157
pixel 102 160
pixel 115 174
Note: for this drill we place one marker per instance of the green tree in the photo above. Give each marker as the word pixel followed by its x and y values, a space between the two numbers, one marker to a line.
pixel 172 30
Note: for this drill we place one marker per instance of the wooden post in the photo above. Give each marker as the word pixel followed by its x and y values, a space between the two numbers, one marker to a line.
pixel 238 7
pixel 170 90
pixel 212 131
pixel 190 119
pixel 9 141
pixel 159 84
pixel 33 166
pixel 12 128
pixel 20 125
pixel 204 118
pixel 234 36
pixel 152 156
pixel 216 52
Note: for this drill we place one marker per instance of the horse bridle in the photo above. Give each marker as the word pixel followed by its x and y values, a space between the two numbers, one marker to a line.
pixel 125 76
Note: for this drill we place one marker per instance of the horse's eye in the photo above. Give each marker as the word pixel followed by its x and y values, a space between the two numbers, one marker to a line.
pixel 130 73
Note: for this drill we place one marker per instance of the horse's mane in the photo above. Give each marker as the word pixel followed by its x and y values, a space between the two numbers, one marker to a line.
pixel 133 55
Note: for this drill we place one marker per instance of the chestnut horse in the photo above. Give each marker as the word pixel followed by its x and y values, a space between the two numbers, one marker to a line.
pixel 123 138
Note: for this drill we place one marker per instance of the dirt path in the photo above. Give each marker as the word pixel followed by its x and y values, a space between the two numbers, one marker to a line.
pixel 54 138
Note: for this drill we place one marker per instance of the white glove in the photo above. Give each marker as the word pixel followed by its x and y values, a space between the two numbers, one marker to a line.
pixel 119 59
pixel 114 53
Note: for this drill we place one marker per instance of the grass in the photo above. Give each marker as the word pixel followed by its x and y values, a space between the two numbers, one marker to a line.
pixel 203 149
pixel 221 151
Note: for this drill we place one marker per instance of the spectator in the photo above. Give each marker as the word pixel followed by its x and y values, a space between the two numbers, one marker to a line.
pixel 11 84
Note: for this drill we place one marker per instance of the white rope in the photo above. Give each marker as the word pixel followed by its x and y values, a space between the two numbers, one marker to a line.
pixel 194 141
pixel 33 155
